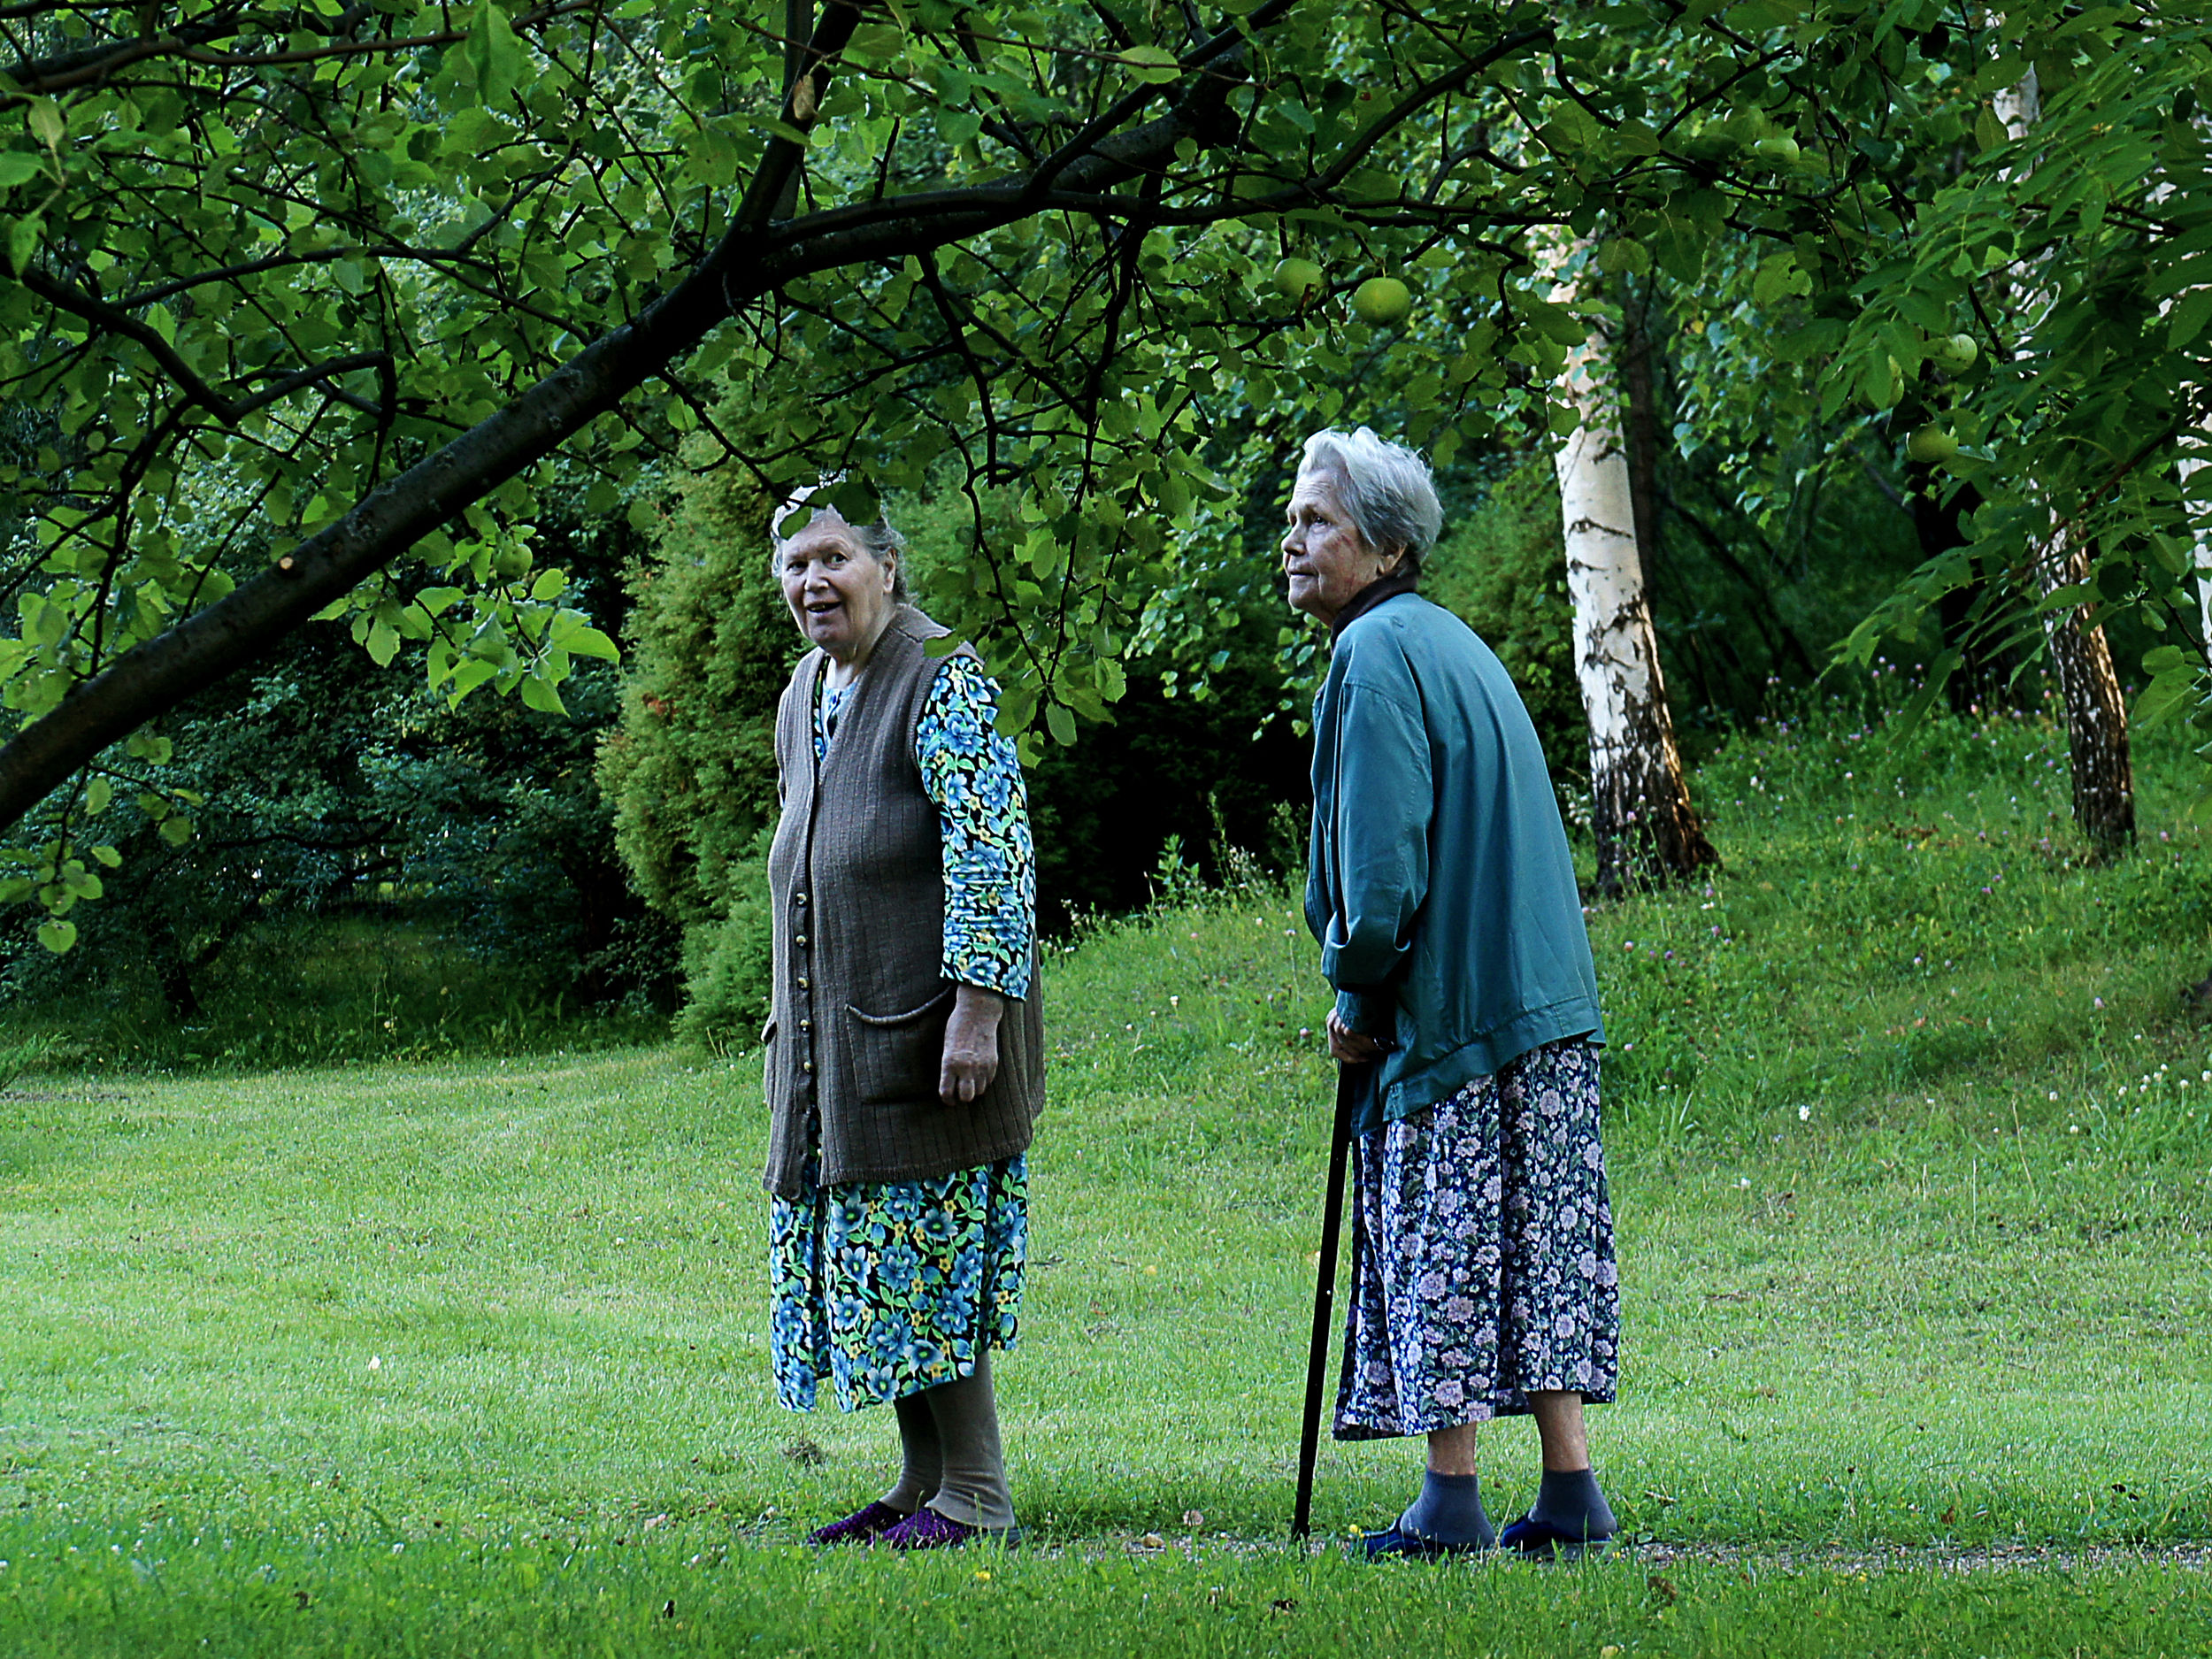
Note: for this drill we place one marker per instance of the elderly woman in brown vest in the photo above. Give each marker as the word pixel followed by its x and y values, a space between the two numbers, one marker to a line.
pixel 904 1051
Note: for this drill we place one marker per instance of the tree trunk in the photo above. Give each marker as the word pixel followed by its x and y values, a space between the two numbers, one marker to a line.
pixel 1647 830
pixel 2089 691
pixel 2096 713
pixel 1642 412
pixel 172 970
pixel 2201 544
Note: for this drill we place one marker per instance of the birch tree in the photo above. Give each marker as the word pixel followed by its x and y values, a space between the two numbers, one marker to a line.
pixel 2099 754
pixel 1646 829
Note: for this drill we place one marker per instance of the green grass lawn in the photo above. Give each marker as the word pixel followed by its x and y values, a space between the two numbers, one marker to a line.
pixel 1909 1135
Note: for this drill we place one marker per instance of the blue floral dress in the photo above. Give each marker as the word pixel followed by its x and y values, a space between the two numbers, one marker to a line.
pixel 886 1288
pixel 1482 1253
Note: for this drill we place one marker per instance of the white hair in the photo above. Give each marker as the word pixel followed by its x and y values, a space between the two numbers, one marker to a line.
pixel 879 540
pixel 1388 492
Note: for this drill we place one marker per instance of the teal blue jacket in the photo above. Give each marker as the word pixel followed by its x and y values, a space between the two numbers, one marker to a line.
pixel 1439 881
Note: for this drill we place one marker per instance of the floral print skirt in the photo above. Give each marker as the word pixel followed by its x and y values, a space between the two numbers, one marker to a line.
pixel 884 1289
pixel 1482 1253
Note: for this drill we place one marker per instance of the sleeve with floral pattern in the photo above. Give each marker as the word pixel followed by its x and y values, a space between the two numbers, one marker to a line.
pixel 972 774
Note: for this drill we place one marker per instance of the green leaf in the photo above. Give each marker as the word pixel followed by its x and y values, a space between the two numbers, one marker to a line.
pixel 383 643
pixel 1062 724
pixel 588 641
pixel 1154 64
pixel 17 166
pixel 538 695
pixel 97 794
pixel 22 243
pixel 58 935
pixel 1778 278
pixel 2188 316
pixel 1823 334
pixel 108 857
pixel 496 54
pixel 2164 695
pixel 176 829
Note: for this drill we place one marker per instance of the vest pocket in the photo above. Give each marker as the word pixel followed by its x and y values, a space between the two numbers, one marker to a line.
pixel 897 1058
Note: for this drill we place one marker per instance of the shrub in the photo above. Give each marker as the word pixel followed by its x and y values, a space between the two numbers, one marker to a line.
pixel 691 765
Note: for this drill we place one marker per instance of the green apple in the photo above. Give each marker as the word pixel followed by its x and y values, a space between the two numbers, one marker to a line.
pixel 512 564
pixel 1955 355
pixel 1782 151
pixel 1932 443
pixel 1382 300
pixel 1299 280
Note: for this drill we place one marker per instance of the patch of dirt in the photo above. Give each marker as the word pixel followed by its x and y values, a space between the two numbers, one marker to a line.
pixel 1936 1558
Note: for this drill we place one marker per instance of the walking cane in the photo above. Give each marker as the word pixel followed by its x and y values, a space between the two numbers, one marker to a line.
pixel 1347 1084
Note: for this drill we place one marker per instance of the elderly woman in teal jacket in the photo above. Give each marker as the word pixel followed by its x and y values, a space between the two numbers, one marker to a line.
pixel 1442 893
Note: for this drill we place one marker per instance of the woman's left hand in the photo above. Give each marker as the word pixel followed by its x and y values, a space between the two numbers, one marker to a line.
pixel 1353 1047
pixel 971 1045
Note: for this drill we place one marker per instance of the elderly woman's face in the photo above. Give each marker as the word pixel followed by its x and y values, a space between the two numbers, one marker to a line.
pixel 838 593
pixel 1322 555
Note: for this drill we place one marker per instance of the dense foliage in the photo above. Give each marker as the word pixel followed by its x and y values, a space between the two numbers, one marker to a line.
pixel 1038 242
pixel 333 799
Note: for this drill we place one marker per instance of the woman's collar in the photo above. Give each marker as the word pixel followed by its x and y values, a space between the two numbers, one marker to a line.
pixel 1400 580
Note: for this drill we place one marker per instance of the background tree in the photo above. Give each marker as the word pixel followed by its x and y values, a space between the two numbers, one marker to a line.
pixel 306 302
pixel 1640 814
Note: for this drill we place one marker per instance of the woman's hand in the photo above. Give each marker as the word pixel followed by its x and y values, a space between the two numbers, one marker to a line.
pixel 1351 1047
pixel 971 1045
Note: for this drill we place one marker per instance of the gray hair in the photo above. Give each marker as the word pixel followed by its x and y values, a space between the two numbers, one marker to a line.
pixel 880 541
pixel 1388 492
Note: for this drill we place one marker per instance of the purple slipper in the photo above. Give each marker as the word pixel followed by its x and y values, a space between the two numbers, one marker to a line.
pixel 925 1529
pixel 862 1526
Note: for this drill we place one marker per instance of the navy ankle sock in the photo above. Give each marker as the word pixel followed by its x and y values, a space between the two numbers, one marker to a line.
pixel 1571 1504
pixel 1449 1512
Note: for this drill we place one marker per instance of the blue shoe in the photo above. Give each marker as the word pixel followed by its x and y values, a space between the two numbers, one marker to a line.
pixel 1394 1545
pixel 1540 1540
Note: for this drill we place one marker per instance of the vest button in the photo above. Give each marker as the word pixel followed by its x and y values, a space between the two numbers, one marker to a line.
pixel 799 899
pixel 801 942
pixel 806 1065
pixel 806 1024
pixel 802 982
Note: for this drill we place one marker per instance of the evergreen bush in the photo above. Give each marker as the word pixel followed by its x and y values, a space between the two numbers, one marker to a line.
pixel 691 764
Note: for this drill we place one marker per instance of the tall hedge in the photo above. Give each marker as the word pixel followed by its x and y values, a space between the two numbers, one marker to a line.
pixel 691 765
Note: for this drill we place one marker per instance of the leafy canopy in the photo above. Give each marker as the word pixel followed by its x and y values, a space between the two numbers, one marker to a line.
pixel 304 306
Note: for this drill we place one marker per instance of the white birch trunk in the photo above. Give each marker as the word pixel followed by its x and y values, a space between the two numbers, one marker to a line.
pixel 1645 828
pixel 2199 535
pixel 2100 761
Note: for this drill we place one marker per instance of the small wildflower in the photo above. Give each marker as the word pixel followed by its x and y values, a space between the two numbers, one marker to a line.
pixel 1804 1114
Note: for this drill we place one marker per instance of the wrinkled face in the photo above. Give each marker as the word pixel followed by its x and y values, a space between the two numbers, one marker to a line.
pixel 1322 555
pixel 838 593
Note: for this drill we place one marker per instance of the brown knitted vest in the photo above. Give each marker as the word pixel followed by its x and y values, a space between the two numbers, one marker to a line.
pixel 856 873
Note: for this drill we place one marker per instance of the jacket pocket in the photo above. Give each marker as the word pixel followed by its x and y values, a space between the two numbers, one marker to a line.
pixel 897 1058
